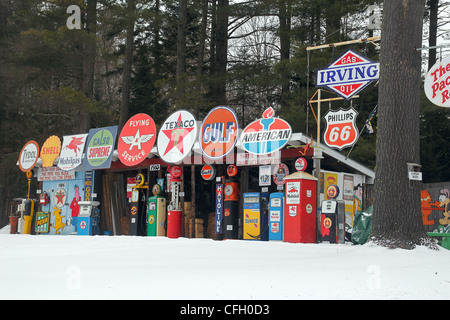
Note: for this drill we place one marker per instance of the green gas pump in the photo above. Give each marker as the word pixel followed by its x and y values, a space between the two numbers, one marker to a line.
pixel 156 214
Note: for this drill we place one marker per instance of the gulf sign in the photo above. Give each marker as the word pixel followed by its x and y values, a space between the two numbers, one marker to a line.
pixel 437 83
pixel 219 132
pixel 349 74
pixel 136 139
pixel 266 135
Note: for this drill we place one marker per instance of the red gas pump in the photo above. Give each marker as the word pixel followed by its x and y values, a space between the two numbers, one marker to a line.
pixel 174 213
pixel 300 208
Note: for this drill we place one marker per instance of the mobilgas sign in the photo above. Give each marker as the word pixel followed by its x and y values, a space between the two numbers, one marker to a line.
pixel 266 135
pixel 349 74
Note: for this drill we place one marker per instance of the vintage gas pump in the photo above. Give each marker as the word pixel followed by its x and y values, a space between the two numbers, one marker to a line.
pixel 256 216
pixel 138 204
pixel 86 217
pixel 230 219
pixel 332 220
pixel 276 212
pixel 26 210
pixel 300 208
pixel 174 213
pixel 156 214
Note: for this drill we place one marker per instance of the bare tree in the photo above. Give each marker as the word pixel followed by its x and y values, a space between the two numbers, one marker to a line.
pixel 397 216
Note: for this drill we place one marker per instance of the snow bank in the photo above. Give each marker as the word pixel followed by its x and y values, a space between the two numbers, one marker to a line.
pixel 125 267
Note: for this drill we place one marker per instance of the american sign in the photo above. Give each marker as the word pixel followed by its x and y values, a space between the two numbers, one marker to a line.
pixel 266 135
pixel 349 74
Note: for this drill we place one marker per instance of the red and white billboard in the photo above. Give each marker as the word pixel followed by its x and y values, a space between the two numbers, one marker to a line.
pixel 341 131
pixel 136 139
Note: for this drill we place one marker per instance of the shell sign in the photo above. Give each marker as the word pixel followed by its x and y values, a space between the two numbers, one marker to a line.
pixel 437 83
pixel 50 151
pixel 219 132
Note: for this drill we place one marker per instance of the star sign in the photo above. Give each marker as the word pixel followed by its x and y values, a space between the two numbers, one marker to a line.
pixel 176 137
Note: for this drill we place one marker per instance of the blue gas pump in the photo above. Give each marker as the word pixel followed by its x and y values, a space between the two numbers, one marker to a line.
pixel 255 211
pixel 86 217
pixel 276 212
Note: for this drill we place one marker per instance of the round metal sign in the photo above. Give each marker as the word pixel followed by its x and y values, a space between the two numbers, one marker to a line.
pixel 177 136
pixel 29 156
pixel 218 134
pixel 136 139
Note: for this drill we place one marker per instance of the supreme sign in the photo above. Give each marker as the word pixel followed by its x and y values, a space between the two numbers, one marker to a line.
pixel 437 83
pixel 349 74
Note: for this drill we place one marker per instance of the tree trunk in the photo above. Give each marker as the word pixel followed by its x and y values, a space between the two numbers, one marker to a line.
pixel 89 60
pixel 284 15
pixel 397 218
pixel 181 53
pixel 126 73
pixel 222 11
pixel 434 5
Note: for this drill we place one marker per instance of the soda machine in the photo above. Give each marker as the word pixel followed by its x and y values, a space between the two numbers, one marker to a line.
pixel 255 216
pixel 276 212
pixel 156 214
pixel 300 208
pixel 174 212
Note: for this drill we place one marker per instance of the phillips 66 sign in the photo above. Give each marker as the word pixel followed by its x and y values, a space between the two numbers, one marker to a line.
pixel 341 131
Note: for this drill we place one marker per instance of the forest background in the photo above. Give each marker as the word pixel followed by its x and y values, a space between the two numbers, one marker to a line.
pixel 156 56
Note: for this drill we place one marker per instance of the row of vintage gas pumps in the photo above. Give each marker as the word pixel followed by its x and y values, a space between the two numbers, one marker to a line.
pixel 289 216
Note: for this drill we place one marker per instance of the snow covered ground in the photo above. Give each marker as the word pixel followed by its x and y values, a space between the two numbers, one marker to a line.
pixel 124 267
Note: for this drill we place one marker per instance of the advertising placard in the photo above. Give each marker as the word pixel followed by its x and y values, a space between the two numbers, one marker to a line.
pixel 219 207
pixel 100 148
pixel 219 132
pixel 437 83
pixel 341 131
pixel 266 135
pixel 136 139
pixel 72 151
pixel 177 136
pixel 50 151
pixel 29 156
pixel 349 74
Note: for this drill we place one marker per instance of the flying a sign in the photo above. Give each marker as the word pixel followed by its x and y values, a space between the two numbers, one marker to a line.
pixel 341 131
pixel 136 139
pixel 349 74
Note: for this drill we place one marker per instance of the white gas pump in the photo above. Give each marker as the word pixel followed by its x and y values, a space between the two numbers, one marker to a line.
pixel 85 217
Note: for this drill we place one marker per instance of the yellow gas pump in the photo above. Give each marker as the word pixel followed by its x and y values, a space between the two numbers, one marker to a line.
pixel 28 208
